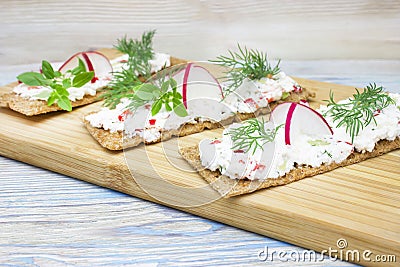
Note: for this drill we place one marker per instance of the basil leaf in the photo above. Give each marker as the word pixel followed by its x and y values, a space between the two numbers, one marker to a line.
pixel 64 103
pixel 57 74
pixel 180 110
pixel 43 94
pixel 156 107
pixel 47 70
pixel 81 65
pixel 177 95
pixel 165 86
pixel 146 92
pixel 82 78
pixel 167 106
pixel 80 68
pixel 61 90
pixel 52 98
pixel 32 79
pixel 66 83
pixel 173 83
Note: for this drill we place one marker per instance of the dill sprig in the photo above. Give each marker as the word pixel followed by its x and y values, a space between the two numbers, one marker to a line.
pixel 252 135
pixel 358 112
pixel 137 68
pixel 139 52
pixel 247 63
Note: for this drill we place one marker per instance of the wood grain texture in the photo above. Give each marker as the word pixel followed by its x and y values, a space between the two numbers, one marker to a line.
pixel 48 219
pixel 312 29
pixel 359 203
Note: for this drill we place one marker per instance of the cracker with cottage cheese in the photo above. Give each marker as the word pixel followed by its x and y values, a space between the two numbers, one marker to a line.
pixel 109 126
pixel 32 100
pixel 298 142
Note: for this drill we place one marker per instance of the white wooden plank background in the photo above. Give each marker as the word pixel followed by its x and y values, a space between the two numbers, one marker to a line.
pixel 31 30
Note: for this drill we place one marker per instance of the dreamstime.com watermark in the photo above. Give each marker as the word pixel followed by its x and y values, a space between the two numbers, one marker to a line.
pixel 333 254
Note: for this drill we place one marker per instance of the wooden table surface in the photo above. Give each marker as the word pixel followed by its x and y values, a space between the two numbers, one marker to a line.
pixel 48 219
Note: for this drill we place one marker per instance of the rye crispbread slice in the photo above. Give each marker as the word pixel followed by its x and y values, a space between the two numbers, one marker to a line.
pixel 116 140
pixel 28 107
pixel 228 187
pixel 36 107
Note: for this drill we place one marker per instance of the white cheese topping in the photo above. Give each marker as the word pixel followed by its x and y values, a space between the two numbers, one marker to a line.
pixel 305 150
pixel 142 123
pixel 157 63
pixel 250 96
pixel 42 93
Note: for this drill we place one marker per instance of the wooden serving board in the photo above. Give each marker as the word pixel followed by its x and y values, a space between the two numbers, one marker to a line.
pixel 360 203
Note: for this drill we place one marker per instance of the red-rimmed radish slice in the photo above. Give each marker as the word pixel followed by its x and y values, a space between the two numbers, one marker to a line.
pixel 299 119
pixel 197 82
pixel 94 61
pixel 304 102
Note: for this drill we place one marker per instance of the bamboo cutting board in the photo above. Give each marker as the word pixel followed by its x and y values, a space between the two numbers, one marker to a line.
pixel 358 203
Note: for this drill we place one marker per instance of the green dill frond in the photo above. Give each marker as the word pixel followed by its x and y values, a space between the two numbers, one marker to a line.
pixel 246 63
pixel 137 68
pixel 358 112
pixel 252 135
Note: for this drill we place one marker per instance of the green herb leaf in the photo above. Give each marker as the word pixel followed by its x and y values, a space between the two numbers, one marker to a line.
pixel 173 83
pixel 252 135
pixel 250 64
pixel 80 68
pixel 61 90
pixel 64 103
pixel 44 94
pixel 165 86
pixel 52 98
pixel 358 112
pixel 318 142
pixel 180 110
pixel 32 79
pixel 285 95
pixel 47 70
pixel 167 106
pixel 57 74
pixel 82 79
pixel 66 83
pixel 147 91
pixel 60 94
pixel 125 82
pixel 156 107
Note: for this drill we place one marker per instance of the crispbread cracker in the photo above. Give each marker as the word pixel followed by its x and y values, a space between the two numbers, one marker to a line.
pixel 228 187
pixel 116 141
pixel 35 107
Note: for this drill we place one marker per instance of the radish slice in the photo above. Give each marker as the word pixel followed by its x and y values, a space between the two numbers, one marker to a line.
pixel 299 119
pixel 94 61
pixel 197 82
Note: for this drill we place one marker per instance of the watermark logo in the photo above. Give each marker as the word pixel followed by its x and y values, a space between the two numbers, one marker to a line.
pixel 340 252
pixel 341 243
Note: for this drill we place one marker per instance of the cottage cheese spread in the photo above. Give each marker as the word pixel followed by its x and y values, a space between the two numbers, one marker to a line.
pixel 305 150
pixel 141 123
pixel 157 63
pixel 42 93
pixel 250 96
